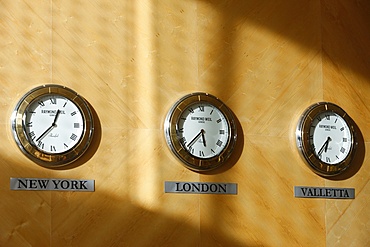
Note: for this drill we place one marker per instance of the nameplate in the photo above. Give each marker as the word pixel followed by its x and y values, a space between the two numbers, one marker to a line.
pixel 324 192
pixel 200 188
pixel 52 184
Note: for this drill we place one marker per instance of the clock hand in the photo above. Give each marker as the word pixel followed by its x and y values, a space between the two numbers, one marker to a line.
pixel 327 145
pixel 53 125
pixel 204 139
pixel 45 133
pixel 324 146
pixel 56 118
pixel 191 143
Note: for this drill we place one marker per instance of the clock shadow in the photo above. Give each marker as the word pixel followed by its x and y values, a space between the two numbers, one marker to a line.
pixel 237 152
pixel 357 160
pixel 94 145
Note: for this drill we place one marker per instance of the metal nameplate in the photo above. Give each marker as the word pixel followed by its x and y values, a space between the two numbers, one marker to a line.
pixel 52 184
pixel 324 192
pixel 200 188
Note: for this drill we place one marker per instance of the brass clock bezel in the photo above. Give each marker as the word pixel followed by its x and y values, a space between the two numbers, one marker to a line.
pixel 31 151
pixel 170 129
pixel 303 138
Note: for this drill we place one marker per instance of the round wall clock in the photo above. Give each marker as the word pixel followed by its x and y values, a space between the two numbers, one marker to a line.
pixel 200 130
pixel 52 125
pixel 326 138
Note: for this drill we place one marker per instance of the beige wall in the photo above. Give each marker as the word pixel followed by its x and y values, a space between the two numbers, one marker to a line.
pixel 131 60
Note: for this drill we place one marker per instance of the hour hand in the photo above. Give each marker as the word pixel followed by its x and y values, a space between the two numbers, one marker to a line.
pixel 324 146
pixel 56 118
pixel 203 137
pixel 327 145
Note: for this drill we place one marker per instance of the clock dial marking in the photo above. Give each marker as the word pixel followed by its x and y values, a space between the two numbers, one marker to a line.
pixel 53 101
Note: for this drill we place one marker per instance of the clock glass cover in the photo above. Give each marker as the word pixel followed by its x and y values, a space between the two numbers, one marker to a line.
pixel 52 125
pixel 200 131
pixel 326 138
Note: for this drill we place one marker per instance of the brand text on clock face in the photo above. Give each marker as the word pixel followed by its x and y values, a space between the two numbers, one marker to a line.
pixel 52 112
pixel 201 119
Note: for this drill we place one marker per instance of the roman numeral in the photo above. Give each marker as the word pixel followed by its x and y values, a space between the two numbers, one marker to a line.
pixel 41 103
pixel 32 135
pixel 201 153
pixel 327 117
pixel 341 129
pixel 73 137
pixel 53 101
pixel 211 112
pixel 222 132
pixel 65 145
pixel 201 108
pixel 73 113
pixel 342 150
pixel 183 141
pixel 40 145
pixel 327 159
pixel 52 148
pixel 219 143
pixel 29 124
pixel 191 110
pixel 344 139
pixel 219 120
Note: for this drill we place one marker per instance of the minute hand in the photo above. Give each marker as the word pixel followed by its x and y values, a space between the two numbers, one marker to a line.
pixel 191 143
pixel 45 133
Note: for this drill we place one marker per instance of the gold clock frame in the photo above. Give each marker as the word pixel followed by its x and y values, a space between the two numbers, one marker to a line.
pixel 171 129
pixel 304 147
pixel 31 151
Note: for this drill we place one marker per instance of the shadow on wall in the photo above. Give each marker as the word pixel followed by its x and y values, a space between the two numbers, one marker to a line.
pixel 324 25
pixel 121 223
pixel 99 218
pixel 52 218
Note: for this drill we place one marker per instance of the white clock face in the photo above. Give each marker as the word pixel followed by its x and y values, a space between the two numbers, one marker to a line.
pixel 330 137
pixel 203 130
pixel 53 124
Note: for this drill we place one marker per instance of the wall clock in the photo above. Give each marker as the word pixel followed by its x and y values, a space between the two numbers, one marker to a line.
pixel 200 130
pixel 326 138
pixel 52 125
